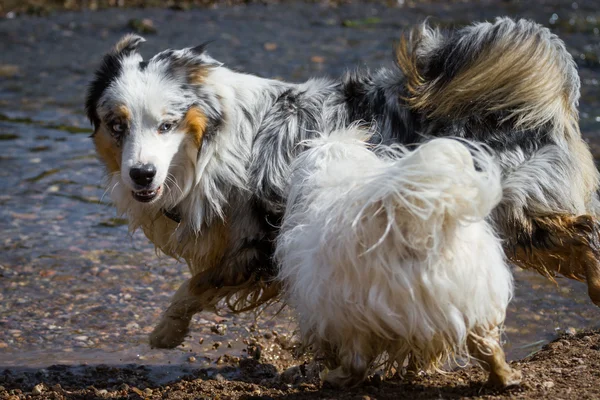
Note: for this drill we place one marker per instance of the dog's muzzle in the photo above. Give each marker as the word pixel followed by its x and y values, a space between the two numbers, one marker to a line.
pixel 142 175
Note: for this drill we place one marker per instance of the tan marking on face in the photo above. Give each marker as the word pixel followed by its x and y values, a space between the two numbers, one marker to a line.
pixel 123 113
pixel 107 149
pixel 194 125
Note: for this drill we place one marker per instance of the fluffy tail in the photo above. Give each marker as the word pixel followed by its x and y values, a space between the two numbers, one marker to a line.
pixel 516 69
pixel 421 191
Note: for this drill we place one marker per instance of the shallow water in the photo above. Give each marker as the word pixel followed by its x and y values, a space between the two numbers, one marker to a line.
pixel 76 287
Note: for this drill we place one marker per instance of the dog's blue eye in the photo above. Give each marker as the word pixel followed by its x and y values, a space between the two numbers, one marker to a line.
pixel 117 128
pixel 165 127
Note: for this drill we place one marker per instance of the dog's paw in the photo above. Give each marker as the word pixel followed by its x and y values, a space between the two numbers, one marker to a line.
pixel 509 378
pixel 169 333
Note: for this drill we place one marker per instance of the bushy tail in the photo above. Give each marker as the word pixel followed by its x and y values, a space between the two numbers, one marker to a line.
pixel 516 69
pixel 415 194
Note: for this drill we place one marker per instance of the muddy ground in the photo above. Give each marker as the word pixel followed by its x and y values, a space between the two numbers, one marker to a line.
pixel 568 368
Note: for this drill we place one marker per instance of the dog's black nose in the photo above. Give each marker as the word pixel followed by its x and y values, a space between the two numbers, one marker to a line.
pixel 142 174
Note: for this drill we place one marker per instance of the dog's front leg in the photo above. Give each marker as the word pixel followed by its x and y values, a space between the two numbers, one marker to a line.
pixel 174 324
pixel 201 291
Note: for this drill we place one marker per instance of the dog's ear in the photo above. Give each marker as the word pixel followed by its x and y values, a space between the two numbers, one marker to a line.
pixel 110 68
pixel 127 45
pixel 193 63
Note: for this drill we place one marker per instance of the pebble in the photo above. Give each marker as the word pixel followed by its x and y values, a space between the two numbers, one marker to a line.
pixel 216 345
pixel 269 46
pixel 81 338
pixel 291 375
pixel 219 329
pixel 191 359
pixel 132 326
pixel 38 389
pixel 219 378
pixel 548 384
pixel 571 331
pixel 148 392
pixel 123 386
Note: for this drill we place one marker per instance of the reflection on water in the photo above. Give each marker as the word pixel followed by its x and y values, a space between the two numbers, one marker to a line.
pixel 76 287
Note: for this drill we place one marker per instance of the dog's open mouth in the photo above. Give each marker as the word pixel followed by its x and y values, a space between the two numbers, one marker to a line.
pixel 146 196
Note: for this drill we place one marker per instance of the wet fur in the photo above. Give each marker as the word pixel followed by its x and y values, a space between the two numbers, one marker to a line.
pixel 377 261
pixel 227 163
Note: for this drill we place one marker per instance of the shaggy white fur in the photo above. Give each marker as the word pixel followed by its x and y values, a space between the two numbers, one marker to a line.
pixel 386 252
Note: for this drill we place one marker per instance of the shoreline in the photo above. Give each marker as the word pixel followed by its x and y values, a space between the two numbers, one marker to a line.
pixel 566 368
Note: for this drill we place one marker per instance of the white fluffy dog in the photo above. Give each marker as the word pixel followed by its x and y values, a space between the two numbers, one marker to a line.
pixel 385 253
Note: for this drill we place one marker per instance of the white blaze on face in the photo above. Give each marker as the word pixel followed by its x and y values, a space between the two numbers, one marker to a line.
pixel 148 95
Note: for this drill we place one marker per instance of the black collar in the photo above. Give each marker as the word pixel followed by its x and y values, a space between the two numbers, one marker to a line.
pixel 172 214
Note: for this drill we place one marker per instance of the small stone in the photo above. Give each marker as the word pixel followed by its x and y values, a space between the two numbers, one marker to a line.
pixel 219 378
pixel 556 370
pixel 142 26
pixel 587 339
pixel 8 71
pixel 81 338
pixel 2 389
pixel 269 46
pixel 102 392
pixel 291 375
pixel 201 340
pixel 219 329
pixel 317 59
pixel 148 392
pixel 268 335
pixel 123 386
pixel 571 331
pixel 191 359
pixel 132 326
pixel 216 345
pixel 38 389
pixel 548 384
pixel 577 360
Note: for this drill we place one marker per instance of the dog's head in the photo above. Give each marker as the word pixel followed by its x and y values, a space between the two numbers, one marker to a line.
pixel 151 117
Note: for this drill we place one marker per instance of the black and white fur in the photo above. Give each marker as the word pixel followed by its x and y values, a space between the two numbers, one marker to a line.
pixel 220 145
